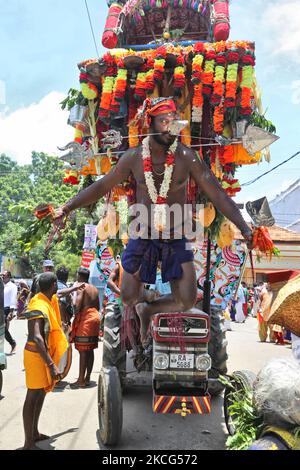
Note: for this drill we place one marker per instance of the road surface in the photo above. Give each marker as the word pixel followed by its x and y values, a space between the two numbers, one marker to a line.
pixel 70 416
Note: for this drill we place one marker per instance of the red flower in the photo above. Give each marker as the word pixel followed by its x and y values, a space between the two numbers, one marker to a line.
pixel 147 165
pixel 199 48
pixel 161 200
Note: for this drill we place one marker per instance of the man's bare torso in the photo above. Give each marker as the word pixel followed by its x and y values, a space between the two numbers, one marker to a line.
pixel 88 298
pixel 178 189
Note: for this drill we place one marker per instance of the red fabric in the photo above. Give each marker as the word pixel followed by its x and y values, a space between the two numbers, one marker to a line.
pixel 86 324
pixel 109 38
pixel 221 28
pixel 280 276
pixel 167 106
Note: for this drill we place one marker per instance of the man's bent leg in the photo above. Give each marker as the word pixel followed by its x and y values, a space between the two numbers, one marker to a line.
pixel 28 417
pixel 131 289
pixel 183 297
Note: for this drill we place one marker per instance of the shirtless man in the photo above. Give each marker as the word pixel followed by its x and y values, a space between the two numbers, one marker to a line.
pixel 85 328
pixel 141 255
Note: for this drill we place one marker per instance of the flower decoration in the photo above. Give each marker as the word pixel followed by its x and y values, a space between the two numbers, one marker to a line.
pixel 149 78
pixel 197 70
pixel 140 86
pixel 159 64
pixel 231 185
pixel 179 75
pixel 71 177
pixel 231 78
pixel 78 135
pixel 88 89
pixel 248 62
pixel 218 93
pixel 106 97
pixel 121 81
pixel 208 72
pixel 159 199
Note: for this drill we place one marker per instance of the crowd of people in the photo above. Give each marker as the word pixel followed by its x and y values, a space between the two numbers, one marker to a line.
pixel 58 315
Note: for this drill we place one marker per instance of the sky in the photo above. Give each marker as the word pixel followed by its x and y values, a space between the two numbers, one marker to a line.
pixel 42 42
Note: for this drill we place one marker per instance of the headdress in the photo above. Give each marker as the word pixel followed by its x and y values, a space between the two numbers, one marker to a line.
pixel 154 107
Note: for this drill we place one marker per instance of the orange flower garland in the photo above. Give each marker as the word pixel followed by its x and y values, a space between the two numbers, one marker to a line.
pixel 247 84
pixel 208 73
pixel 121 81
pixel 218 93
pixel 140 86
pixel 179 75
pixel 159 64
pixel 231 78
pixel 88 89
pixel 106 97
pixel 197 71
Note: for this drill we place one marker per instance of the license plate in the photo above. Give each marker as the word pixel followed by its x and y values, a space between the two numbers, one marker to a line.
pixel 182 361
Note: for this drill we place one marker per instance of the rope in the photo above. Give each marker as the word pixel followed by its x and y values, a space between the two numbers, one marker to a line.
pixel 272 169
pixel 92 29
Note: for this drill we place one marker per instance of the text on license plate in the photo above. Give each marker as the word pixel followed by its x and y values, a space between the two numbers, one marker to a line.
pixel 182 361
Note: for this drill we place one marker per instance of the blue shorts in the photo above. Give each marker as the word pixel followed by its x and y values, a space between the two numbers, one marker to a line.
pixel 143 255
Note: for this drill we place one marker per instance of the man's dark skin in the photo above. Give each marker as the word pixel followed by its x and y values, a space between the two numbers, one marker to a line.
pixel 184 290
pixel 35 398
pixel 87 298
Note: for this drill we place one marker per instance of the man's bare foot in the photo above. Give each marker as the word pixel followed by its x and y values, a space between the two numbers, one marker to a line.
pixel 77 384
pixel 141 310
pixel 150 295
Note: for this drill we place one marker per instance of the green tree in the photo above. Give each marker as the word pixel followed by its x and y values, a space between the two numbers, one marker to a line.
pixel 22 189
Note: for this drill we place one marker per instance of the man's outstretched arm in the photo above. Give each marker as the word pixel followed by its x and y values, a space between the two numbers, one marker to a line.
pixel 209 184
pixel 98 189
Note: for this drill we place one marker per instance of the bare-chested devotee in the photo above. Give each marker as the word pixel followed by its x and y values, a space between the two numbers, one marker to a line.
pixel 161 168
pixel 85 327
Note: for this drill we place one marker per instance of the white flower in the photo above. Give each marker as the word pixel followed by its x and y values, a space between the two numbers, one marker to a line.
pixel 160 211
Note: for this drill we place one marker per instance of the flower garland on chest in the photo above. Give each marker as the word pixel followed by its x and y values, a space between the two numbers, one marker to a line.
pixel 159 199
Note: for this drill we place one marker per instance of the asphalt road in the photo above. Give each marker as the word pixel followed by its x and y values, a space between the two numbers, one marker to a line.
pixel 70 416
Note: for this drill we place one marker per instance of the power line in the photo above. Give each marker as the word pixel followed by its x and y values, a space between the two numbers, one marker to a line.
pixel 92 29
pixel 272 169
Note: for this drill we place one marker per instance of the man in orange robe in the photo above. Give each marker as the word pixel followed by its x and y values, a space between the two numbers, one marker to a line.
pixel 86 327
pixel 43 351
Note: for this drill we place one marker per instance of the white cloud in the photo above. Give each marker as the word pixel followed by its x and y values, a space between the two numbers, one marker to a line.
pixel 41 127
pixel 296 92
pixel 281 20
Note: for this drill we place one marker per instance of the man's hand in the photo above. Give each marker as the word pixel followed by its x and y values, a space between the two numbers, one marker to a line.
pixel 54 371
pixel 80 287
pixel 248 237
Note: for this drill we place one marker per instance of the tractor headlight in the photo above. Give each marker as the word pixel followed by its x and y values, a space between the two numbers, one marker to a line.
pixel 203 362
pixel 161 361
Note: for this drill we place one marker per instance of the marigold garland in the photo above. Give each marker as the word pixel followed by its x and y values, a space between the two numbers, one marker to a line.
pixel 78 135
pixel 208 73
pixel 140 91
pixel 106 97
pixel 179 75
pixel 88 89
pixel 231 78
pixel 197 70
pixel 149 78
pixel 133 128
pixel 247 83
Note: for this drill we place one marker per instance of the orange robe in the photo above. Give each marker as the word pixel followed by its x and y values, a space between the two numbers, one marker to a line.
pixel 36 370
pixel 85 330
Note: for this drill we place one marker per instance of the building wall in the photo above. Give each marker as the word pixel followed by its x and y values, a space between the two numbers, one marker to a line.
pixel 289 259
pixel 286 207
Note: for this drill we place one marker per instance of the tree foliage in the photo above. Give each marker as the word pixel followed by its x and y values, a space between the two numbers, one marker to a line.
pixel 22 189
